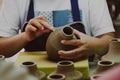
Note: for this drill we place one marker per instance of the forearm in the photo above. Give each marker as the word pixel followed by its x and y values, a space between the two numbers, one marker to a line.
pixel 98 45
pixel 10 46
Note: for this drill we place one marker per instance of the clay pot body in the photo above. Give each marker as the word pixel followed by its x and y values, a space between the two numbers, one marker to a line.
pixel 19 73
pixel 5 66
pixel 56 77
pixel 102 66
pixel 67 68
pixel 53 44
pixel 32 69
pixel 10 72
pixel 114 51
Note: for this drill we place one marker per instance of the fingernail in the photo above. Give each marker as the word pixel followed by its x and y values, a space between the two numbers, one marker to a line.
pixel 62 41
pixel 52 28
pixel 59 52
pixel 42 28
pixel 35 29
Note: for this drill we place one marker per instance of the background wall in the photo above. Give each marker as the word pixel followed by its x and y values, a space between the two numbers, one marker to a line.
pixel 114 8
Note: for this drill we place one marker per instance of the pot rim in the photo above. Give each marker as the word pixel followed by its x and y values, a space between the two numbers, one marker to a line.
pixel 28 63
pixel 115 40
pixel 2 57
pixel 56 76
pixel 70 28
pixel 65 63
pixel 105 63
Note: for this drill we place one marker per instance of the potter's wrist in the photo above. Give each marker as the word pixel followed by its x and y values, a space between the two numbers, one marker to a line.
pixel 25 37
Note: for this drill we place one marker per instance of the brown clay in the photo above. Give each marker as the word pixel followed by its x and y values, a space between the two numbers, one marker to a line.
pixel 67 68
pixel 32 69
pixel 56 77
pixel 53 44
pixel 10 72
pixel 5 66
pixel 114 51
pixel 102 66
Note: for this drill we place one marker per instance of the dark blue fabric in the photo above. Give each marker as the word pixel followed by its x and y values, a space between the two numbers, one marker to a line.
pixel 39 43
pixel 75 10
pixel 30 11
pixel 76 16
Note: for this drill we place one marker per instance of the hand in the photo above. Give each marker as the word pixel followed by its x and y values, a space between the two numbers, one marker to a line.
pixel 81 52
pixel 36 27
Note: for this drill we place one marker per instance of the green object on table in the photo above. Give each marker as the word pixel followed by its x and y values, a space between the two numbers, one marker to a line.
pixel 43 64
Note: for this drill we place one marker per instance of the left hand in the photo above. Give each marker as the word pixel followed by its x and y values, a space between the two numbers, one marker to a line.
pixel 81 52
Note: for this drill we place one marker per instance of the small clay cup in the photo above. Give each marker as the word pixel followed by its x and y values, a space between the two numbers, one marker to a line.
pixel 67 68
pixel 32 69
pixel 113 52
pixel 103 66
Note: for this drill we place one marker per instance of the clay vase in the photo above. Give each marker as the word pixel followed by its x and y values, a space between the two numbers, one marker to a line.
pixel 56 77
pixel 102 66
pixel 19 73
pixel 114 51
pixel 54 44
pixel 10 72
pixel 67 68
pixel 32 69
pixel 5 66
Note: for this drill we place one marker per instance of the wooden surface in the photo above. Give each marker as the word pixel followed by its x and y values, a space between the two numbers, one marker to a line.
pixel 48 66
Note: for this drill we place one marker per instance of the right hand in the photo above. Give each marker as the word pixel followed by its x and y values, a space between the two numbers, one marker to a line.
pixel 36 27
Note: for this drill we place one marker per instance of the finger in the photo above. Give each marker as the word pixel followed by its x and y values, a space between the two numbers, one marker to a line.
pixel 46 25
pixel 73 42
pixel 46 31
pixel 77 33
pixel 36 24
pixel 72 54
pixel 75 58
pixel 67 54
pixel 42 17
pixel 71 57
pixel 32 28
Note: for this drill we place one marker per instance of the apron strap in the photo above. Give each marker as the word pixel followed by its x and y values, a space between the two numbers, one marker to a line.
pixel 30 11
pixel 30 14
pixel 75 10
pixel 76 16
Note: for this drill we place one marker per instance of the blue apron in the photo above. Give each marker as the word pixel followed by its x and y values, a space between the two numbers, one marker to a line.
pixel 39 43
